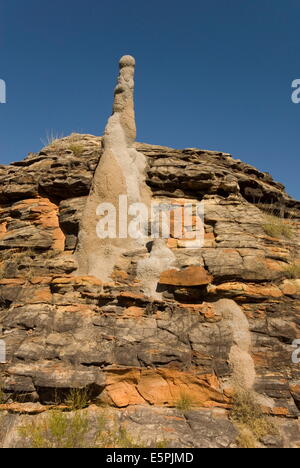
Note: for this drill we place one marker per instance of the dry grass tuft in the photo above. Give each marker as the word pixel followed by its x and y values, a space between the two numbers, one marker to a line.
pixel 77 149
pixel 277 227
pixel 185 402
pixel 293 271
pixel 252 423
pixel 78 398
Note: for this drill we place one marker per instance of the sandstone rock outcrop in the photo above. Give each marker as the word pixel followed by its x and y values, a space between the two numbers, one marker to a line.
pixel 212 317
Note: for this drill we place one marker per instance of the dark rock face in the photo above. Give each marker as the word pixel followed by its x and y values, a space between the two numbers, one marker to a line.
pixel 137 354
pixel 196 173
pixel 61 172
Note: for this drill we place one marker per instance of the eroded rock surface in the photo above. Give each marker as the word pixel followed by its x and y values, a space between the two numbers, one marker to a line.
pixel 212 316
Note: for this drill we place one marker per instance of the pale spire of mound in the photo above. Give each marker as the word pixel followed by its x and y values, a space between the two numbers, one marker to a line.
pixel 121 172
pixel 123 106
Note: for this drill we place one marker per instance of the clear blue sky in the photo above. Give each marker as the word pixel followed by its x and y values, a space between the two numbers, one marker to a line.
pixel 211 74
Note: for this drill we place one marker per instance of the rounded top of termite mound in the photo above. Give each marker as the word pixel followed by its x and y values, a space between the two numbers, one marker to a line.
pixel 127 61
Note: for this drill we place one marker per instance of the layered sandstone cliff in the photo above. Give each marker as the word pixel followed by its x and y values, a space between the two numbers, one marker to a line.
pixel 216 317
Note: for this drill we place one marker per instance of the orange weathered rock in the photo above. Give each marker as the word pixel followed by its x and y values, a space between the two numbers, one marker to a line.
pixel 40 280
pixel 209 240
pixel 119 276
pixel 3 229
pixel 12 282
pixel 290 287
pixel 134 312
pixel 163 387
pixel 249 290
pixel 92 280
pixel 39 295
pixel 42 230
pixel 172 243
pixel 121 387
pixel 25 408
pixel 191 276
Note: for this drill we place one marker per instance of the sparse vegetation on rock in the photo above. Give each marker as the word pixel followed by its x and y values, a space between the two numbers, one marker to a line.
pixel 185 402
pixel 77 149
pixel 57 430
pixel 253 424
pixel 293 271
pixel 78 398
pixel 277 227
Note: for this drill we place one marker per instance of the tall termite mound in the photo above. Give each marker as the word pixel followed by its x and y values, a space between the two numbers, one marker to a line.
pixel 121 172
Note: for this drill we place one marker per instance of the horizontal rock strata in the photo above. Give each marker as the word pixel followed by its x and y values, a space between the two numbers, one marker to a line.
pixel 135 353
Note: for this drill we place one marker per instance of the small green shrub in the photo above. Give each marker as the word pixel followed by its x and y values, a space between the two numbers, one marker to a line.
pixel 277 227
pixel 162 444
pixel 78 398
pixel 293 271
pixel 76 148
pixel 184 403
pixel 57 430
